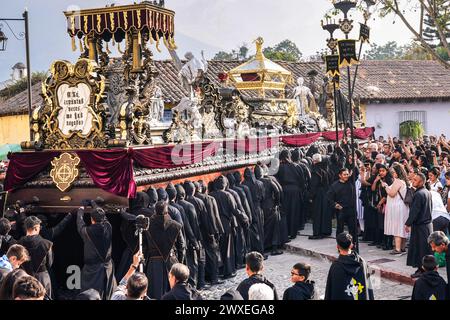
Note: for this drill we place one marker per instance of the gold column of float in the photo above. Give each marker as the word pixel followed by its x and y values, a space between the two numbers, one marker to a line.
pixel 137 54
pixel 92 42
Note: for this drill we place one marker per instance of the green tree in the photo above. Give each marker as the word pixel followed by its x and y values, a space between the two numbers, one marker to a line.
pixel 224 56
pixel 434 14
pixel 21 85
pixel 286 50
pixel 389 51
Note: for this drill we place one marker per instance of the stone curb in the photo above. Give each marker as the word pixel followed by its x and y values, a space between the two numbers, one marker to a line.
pixel 373 268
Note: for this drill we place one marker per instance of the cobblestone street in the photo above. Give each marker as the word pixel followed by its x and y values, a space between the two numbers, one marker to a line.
pixel 278 268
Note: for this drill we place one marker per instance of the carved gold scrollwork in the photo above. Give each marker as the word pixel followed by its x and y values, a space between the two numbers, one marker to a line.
pixel 45 121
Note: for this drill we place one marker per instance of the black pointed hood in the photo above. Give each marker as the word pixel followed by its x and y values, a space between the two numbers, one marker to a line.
pixel 152 195
pixel 231 180
pixel 259 172
pixel 162 194
pixel 189 188
pixel 181 193
pixel 295 155
pixel 249 176
pixel 220 183
pixel 141 201
pixel 237 177
pixel 285 155
pixel 171 192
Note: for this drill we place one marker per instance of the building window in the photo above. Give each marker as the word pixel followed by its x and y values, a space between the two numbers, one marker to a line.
pixel 420 116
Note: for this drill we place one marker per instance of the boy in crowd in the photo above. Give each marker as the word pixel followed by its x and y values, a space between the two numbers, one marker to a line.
pixel 303 289
pixel 430 285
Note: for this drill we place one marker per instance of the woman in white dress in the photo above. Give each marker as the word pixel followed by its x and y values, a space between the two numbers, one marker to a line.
pixel 396 211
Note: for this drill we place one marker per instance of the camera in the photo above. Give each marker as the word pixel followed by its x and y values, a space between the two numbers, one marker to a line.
pixel 142 222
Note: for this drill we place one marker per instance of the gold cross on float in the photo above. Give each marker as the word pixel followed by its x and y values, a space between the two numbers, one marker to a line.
pixel 64 170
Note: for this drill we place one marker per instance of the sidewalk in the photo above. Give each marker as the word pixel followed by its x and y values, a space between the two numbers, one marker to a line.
pixel 390 267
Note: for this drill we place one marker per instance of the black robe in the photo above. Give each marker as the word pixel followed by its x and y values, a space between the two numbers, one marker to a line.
pixel 322 213
pixel 420 222
pixel 245 285
pixel 300 291
pixel 188 234
pixel 227 209
pixel 241 225
pixel 291 181
pixel 192 251
pixel 98 268
pixel 211 232
pixel 163 241
pixel 348 279
pixel 271 209
pixel 248 196
pixel 41 260
pixel 430 286
pixel 257 227
pixel 182 291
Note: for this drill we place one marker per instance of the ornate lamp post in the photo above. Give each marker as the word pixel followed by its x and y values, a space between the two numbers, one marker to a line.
pixel 21 36
pixel 346 58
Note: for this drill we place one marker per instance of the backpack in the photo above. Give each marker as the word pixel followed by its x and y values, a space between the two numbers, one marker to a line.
pixel 407 200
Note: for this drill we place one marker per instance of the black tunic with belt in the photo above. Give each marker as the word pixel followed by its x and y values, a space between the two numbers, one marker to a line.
pixel 420 222
pixel 292 182
pixel 257 227
pixel 163 242
pixel 271 209
pixel 227 210
pixel 98 269
pixel 322 212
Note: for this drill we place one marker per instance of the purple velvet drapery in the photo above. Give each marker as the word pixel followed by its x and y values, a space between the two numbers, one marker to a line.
pixel 112 170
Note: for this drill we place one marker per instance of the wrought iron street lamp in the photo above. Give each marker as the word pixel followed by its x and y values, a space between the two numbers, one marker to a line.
pixel 346 58
pixel 21 36
pixel 3 41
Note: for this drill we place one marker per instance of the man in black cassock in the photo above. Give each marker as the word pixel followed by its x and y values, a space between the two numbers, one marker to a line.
pixel 348 278
pixel 318 188
pixel 163 247
pixel 40 251
pixel 292 182
pixel 271 209
pixel 98 268
pixel 227 210
pixel 419 223
pixel 242 223
pixel 202 216
pixel 192 250
pixel 211 233
pixel 257 227
pixel 188 234
pixel 341 197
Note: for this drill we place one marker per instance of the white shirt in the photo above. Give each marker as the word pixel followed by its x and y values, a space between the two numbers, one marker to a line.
pixel 436 186
pixel 439 209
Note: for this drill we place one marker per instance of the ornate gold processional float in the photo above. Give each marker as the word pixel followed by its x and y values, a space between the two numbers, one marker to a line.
pixel 101 129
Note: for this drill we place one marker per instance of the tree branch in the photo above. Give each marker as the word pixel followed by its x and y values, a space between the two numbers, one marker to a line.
pixel 418 36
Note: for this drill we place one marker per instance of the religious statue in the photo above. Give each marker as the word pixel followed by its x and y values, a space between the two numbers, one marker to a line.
pixel 305 99
pixel 156 106
pixel 189 113
pixel 192 71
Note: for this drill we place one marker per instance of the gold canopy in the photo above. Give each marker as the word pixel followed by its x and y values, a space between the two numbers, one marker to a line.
pixel 260 74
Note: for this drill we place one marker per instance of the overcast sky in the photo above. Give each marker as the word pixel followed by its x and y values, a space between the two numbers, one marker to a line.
pixel 212 25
